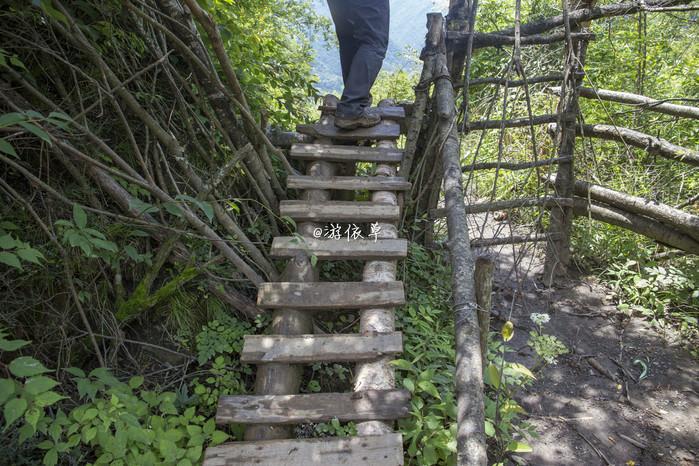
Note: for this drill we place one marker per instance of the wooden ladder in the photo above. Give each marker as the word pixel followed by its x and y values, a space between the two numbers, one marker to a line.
pixel 375 402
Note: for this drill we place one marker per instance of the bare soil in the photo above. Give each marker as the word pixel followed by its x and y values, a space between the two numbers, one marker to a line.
pixel 590 408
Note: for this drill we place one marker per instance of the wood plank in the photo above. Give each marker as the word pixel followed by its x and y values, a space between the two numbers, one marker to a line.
pixel 384 450
pixel 306 349
pixel 379 132
pixel 315 407
pixel 334 153
pixel 349 183
pixel 340 211
pixel 327 249
pixel 327 295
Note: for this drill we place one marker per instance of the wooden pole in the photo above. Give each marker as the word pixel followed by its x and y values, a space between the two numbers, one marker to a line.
pixel 561 219
pixel 640 101
pixel 285 379
pixel 379 374
pixel 484 293
pixel 471 447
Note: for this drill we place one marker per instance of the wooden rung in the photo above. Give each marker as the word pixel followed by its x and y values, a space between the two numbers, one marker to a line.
pixel 339 211
pixel 382 131
pixel 328 295
pixel 306 349
pixel 331 153
pixel 329 249
pixel 384 450
pixel 316 407
pixel 348 183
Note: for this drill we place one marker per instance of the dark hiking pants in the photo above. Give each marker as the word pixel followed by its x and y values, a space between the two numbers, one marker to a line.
pixel 362 30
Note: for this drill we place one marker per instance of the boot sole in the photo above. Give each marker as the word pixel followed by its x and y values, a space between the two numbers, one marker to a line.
pixel 356 125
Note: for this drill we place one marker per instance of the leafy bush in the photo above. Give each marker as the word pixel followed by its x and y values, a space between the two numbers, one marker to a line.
pixel 116 423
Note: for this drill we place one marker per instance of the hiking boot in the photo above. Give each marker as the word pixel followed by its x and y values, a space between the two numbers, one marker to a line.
pixel 366 119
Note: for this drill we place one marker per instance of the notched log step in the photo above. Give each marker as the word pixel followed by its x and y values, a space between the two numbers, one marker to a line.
pixel 349 183
pixel 327 249
pixel 328 295
pixel 333 153
pixel 382 131
pixel 385 450
pixel 339 211
pixel 306 349
pixel 316 407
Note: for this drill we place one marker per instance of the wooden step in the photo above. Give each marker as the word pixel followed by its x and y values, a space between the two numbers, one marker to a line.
pixel 384 450
pixel 329 249
pixel 339 211
pixel 306 349
pixel 380 132
pixel 349 183
pixel 316 407
pixel 333 153
pixel 327 295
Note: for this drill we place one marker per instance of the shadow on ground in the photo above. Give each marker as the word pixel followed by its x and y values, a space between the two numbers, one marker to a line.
pixel 587 409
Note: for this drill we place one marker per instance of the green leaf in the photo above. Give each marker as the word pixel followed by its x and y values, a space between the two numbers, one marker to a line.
pixel 520 369
pixel 12 345
pixel 493 375
pixel 508 331
pixel 26 366
pixel 25 433
pixel 32 416
pixel 136 382
pixel 429 387
pixel 79 216
pixel 429 455
pixel 13 410
pixel 40 384
pixel 10 119
pixel 489 429
pixel 10 259
pixel 75 371
pixel 409 384
pixel 403 365
pixel 6 148
pixel 47 399
pixel 36 131
pixel 518 447
pixel 173 209
pixel 30 255
pixel 7 388
pixel 7 242
pixel 142 207
pixel 51 457
pixel 218 437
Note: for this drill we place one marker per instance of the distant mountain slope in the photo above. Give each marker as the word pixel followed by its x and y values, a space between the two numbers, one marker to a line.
pixel 406 40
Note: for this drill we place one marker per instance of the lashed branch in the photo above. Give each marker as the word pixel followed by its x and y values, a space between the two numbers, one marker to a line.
pixel 640 101
pixel 652 144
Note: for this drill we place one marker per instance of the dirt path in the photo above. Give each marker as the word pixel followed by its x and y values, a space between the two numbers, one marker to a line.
pixel 587 410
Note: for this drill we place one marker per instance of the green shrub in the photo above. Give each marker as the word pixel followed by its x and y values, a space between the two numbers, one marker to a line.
pixel 113 422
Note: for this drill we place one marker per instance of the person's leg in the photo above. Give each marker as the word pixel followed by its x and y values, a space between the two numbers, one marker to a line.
pixel 370 20
pixel 345 37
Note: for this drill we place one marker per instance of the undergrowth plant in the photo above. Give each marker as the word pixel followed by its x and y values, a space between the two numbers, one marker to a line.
pixel 107 422
pixel 427 371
